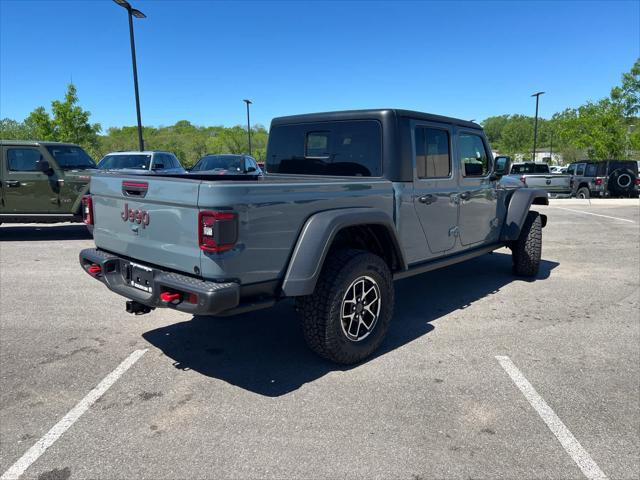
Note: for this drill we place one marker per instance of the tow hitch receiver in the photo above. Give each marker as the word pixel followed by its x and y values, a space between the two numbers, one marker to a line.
pixel 137 308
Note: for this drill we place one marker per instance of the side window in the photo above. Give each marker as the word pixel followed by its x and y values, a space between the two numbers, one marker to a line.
pixel 571 170
pixel 591 170
pixel 472 155
pixel 317 145
pixel 433 159
pixel 23 159
pixel 580 169
pixel 160 159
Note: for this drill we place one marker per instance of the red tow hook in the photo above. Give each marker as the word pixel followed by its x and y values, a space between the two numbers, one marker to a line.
pixel 169 297
pixel 94 269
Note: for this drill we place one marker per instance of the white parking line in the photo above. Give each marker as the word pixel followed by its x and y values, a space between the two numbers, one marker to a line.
pixel 562 433
pixel 70 418
pixel 594 214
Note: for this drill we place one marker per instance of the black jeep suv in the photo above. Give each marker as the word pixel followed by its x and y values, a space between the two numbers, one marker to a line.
pixel 607 178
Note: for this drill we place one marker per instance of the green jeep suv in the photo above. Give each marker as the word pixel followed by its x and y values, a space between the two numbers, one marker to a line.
pixel 42 181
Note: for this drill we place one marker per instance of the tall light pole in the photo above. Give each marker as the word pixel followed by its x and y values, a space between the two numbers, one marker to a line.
pixel 535 128
pixel 248 102
pixel 132 12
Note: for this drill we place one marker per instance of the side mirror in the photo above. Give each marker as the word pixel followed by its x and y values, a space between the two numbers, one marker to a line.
pixel 502 166
pixel 45 167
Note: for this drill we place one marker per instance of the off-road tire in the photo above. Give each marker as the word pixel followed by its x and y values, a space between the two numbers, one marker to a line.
pixel 527 250
pixel 583 192
pixel 321 313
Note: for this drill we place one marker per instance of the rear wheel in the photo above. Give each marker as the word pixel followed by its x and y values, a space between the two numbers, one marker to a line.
pixel 527 250
pixel 583 192
pixel 348 314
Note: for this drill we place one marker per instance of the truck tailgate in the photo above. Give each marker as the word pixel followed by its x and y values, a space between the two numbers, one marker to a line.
pixel 551 183
pixel 150 219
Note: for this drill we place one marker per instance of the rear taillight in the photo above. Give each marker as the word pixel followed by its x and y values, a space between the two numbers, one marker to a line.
pixel 217 231
pixel 523 179
pixel 87 210
pixel 598 181
pixel 638 181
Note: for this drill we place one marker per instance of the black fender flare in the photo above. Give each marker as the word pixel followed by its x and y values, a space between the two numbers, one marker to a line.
pixel 517 209
pixel 316 238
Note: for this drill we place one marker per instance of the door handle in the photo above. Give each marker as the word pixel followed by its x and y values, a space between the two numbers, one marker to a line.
pixel 427 199
pixel 12 183
pixel 465 195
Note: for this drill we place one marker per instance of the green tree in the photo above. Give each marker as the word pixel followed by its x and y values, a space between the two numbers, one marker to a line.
pixel 13 130
pixel 627 95
pixel 69 123
pixel 597 127
pixel 40 125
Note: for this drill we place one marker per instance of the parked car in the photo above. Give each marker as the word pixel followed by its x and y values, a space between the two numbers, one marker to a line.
pixel 142 162
pixel 351 201
pixel 609 178
pixel 557 169
pixel 538 175
pixel 42 181
pixel 227 164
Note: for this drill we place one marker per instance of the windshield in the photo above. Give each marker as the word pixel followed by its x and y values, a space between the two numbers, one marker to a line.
pixel 530 168
pixel 220 162
pixel 133 161
pixel 69 158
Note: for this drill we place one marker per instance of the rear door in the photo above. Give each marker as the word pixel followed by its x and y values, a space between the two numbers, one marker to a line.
pixel 435 185
pixel 478 221
pixel 25 188
pixel 148 218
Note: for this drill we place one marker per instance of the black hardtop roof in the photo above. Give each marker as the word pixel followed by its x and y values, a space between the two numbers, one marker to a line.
pixel 376 114
pixel 602 161
pixel 35 143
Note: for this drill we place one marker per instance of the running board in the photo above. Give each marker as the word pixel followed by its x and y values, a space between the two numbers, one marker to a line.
pixel 445 262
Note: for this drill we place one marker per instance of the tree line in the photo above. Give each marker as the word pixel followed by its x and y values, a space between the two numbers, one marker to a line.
pixel 605 129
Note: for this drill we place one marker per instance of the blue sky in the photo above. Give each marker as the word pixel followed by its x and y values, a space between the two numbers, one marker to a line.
pixel 197 60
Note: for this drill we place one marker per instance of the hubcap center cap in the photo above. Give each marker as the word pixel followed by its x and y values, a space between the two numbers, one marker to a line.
pixel 359 307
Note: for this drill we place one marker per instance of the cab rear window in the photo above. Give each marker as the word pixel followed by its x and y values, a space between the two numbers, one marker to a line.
pixel 345 148
pixel 539 168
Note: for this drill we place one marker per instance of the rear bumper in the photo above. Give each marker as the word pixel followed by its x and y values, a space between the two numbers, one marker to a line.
pixel 209 298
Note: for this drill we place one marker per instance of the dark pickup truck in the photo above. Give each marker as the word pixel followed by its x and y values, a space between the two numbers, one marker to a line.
pixel 351 201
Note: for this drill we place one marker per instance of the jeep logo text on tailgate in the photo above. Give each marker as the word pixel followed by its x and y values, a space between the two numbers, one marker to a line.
pixel 138 216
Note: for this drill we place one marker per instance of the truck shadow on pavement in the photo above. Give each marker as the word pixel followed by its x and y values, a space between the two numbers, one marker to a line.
pixel 264 351
pixel 78 231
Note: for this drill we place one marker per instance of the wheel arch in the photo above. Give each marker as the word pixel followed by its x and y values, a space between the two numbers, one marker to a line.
pixel 517 209
pixel 363 228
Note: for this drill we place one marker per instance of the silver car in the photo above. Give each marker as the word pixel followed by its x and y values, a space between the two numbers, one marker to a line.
pixel 142 162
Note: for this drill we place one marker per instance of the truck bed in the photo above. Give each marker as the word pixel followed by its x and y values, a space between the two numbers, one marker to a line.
pixel 270 212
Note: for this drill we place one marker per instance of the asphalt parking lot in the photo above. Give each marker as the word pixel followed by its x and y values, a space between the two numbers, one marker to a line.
pixel 242 397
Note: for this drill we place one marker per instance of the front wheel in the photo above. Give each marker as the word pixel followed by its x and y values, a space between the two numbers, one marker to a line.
pixel 348 314
pixel 527 250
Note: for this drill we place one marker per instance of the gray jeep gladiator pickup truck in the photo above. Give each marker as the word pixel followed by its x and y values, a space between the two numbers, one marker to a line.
pixel 351 201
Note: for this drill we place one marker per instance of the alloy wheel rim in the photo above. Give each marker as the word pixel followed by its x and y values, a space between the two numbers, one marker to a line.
pixel 360 308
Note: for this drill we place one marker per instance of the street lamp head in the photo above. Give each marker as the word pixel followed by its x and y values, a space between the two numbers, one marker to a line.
pixel 537 94
pixel 137 13
pixel 248 102
pixel 123 4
